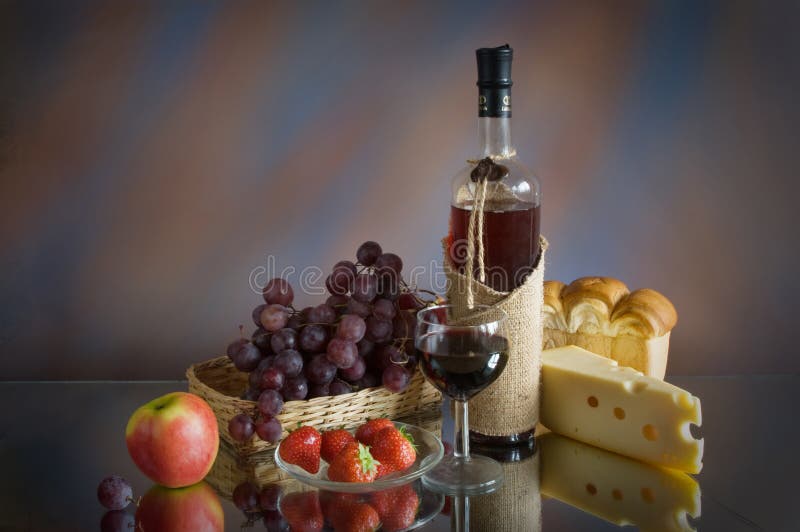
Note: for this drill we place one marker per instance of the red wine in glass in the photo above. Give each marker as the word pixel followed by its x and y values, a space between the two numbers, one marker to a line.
pixel 462 363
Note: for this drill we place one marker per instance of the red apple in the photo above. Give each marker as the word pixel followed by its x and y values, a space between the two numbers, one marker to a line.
pixel 192 509
pixel 173 439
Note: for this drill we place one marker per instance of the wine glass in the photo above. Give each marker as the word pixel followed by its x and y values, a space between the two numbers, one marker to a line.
pixel 462 355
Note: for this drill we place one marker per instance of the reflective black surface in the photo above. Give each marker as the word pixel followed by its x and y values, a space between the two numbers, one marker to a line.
pixel 57 440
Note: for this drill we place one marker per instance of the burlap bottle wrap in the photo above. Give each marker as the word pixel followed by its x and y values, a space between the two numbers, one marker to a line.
pixel 510 405
pixel 516 506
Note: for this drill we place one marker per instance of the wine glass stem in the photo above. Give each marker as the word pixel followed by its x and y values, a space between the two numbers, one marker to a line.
pixel 461 513
pixel 461 448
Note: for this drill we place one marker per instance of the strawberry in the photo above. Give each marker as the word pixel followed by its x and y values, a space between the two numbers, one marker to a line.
pixel 396 507
pixel 366 432
pixel 334 441
pixel 333 502
pixel 302 448
pixel 448 504
pixel 394 449
pixel 302 511
pixel 353 464
pixel 356 517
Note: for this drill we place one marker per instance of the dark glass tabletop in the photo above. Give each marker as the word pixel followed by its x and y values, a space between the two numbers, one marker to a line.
pixel 58 439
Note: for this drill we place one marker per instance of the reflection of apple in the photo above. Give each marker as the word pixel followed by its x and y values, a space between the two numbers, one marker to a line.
pixel 173 439
pixel 192 509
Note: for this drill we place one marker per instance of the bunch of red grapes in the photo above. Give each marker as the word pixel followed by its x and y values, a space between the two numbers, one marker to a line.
pixel 362 336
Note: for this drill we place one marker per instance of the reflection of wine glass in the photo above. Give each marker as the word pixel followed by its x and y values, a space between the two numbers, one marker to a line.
pixel 461 357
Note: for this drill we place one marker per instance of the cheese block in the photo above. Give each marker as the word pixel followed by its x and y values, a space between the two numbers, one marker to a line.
pixel 615 488
pixel 600 314
pixel 591 398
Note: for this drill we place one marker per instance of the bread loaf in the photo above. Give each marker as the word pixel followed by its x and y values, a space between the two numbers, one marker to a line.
pixel 601 315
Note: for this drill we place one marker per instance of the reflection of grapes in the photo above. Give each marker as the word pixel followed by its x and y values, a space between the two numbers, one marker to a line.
pixel 268 498
pixel 114 492
pixel 275 522
pixel 241 427
pixel 117 521
pixel 245 496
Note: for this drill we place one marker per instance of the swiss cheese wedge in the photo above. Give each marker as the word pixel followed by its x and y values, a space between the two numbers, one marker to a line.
pixel 591 398
pixel 618 489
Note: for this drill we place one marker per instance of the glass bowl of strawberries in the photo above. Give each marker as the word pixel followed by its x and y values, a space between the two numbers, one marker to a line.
pixel 378 455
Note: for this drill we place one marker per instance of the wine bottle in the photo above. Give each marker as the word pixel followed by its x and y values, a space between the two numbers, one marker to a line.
pixel 512 206
pixel 496 201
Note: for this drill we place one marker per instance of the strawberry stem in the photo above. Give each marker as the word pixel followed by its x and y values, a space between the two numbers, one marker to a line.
pixel 407 435
pixel 368 463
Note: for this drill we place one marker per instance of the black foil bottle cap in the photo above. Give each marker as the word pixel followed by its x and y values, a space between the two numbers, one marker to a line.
pixel 494 66
pixel 494 81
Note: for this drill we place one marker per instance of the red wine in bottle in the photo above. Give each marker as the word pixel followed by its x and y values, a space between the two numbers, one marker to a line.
pixel 511 242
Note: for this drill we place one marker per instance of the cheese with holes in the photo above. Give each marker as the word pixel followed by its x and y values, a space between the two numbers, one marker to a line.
pixel 592 399
pixel 618 489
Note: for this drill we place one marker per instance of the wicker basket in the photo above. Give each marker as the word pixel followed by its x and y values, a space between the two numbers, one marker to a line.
pixel 220 384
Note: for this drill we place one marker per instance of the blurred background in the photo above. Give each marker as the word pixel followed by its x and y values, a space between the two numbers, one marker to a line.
pixel 152 157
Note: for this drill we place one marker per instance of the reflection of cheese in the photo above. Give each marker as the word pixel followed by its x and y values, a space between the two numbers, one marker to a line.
pixel 590 398
pixel 615 488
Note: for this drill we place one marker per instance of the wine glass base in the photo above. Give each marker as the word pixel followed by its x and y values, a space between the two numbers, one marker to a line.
pixel 456 476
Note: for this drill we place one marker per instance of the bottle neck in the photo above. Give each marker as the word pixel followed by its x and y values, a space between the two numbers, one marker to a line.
pixel 495 137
